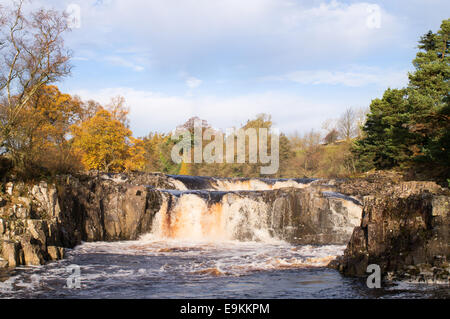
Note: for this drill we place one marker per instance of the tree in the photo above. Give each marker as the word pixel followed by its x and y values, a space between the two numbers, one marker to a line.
pixel 184 169
pixel 429 96
pixel 90 108
pixel 40 142
pixel 411 127
pixel 47 122
pixel 103 142
pixel 286 155
pixel 136 159
pixel 331 137
pixel 386 141
pixel 190 124
pixel 262 120
pixel 152 145
pixel 307 152
pixel 32 55
pixel 119 110
pixel 347 124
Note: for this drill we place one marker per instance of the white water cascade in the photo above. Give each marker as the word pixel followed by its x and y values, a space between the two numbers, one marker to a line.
pixel 192 217
pixel 262 210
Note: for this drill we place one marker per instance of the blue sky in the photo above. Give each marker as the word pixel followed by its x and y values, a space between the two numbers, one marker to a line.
pixel 225 61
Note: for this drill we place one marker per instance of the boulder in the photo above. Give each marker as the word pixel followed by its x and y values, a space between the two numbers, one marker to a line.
pixel 9 188
pixel 126 213
pixel 55 253
pixel 400 230
pixel 21 212
pixel 12 253
pixel 38 229
pixel 310 216
pixel 3 263
pixel 33 251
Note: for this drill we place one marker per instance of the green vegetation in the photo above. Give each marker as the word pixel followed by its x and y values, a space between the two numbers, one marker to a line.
pixel 409 128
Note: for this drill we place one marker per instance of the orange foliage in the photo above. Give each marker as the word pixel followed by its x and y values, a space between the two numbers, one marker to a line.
pixel 103 142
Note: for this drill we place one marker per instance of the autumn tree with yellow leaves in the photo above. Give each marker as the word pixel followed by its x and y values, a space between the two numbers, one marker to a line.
pixel 184 169
pixel 136 159
pixel 102 142
pixel 46 124
pixel 39 142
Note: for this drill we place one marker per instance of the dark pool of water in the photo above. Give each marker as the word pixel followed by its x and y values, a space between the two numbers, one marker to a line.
pixel 192 270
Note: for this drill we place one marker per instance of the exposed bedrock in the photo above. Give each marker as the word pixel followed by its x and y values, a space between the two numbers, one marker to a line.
pixel 38 221
pixel 311 216
pixel 405 230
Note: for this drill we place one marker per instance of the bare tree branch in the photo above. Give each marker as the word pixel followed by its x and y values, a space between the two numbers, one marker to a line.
pixel 32 54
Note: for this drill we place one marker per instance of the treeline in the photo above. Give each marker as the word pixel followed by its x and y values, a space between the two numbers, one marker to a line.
pixel 58 133
pixel 46 132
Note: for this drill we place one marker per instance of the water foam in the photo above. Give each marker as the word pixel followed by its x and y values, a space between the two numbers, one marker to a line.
pixel 191 217
pixel 181 182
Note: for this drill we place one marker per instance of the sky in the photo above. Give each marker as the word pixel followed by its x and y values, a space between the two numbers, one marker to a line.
pixel 225 61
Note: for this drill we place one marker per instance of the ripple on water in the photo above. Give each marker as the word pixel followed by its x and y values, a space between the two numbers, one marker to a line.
pixel 152 268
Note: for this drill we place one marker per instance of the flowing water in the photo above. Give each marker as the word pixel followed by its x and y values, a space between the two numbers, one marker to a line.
pixel 155 268
pixel 210 243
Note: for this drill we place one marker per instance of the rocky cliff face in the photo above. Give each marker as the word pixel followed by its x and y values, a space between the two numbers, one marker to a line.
pixel 311 215
pixel 38 221
pixel 404 229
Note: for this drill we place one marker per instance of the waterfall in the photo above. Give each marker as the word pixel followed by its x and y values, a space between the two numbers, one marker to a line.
pixel 300 211
pixel 197 216
pixel 181 182
pixel 217 209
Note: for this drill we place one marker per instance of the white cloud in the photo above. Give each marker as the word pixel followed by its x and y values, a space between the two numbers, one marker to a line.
pixel 152 111
pixel 257 32
pixel 124 62
pixel 193 82
pixel 354 76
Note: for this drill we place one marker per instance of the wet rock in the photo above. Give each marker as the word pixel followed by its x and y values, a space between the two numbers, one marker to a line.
pixel 398 224
pixel 127 213
pixel 33 251
pixel 12 253
pixel 403 230
pixel 38 229
pixel 155 180
pixel 9 188
pixel 25 201
pixel 55 253
pixel 22 212
pixel 441 206
pixel 47 198
pixel 308 216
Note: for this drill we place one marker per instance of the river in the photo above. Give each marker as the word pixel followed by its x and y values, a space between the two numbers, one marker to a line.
pixel 206 244
pixel 152 268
